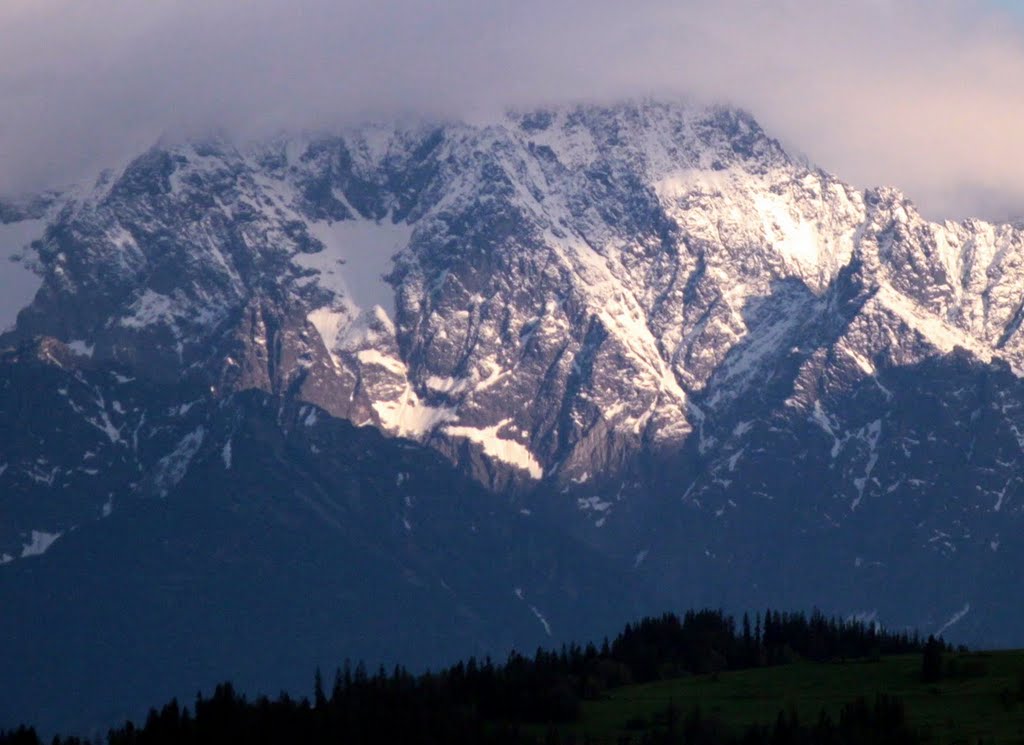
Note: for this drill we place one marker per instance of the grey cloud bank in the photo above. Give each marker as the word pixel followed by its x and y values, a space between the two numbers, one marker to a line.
pixel 922 95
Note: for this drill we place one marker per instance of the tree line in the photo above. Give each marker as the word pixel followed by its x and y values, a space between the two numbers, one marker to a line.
pixel 483 701
pixel 860 722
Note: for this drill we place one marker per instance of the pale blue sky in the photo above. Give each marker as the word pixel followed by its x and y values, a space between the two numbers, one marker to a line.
pixel 1014 5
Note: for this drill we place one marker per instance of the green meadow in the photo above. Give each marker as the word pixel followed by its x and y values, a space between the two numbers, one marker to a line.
pixel 980 698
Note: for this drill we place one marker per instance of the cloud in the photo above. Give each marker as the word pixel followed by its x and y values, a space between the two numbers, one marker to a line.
pixel 922 95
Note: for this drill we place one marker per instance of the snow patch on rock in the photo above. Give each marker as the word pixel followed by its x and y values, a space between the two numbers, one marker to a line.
pixel 172 468
pixel 39 543
pixel 507 451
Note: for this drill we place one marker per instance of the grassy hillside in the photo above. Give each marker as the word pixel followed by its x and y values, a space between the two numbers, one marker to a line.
pixel 982 697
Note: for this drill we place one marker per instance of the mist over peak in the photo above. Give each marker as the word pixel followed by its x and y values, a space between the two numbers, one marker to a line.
pixel 912 93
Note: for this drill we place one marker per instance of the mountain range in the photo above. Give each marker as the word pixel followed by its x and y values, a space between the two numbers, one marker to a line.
pixel 415 389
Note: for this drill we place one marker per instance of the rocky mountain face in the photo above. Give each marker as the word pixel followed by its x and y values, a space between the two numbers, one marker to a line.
pixel 643 328
pixel 256 539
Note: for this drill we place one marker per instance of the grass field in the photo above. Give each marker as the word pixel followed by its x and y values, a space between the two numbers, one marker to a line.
pixel 986 703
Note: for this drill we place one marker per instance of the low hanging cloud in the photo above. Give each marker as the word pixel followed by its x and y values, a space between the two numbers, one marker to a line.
pixel 921 95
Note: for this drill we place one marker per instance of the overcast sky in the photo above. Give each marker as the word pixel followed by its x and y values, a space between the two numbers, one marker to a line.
pixel 925 95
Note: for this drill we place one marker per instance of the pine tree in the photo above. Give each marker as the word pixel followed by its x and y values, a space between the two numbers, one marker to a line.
pixel 319 697
pixel 931 662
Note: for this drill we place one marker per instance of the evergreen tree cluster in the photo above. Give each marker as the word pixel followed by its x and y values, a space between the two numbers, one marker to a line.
pixel 480 701
pixel 708 641
pixel 883 722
